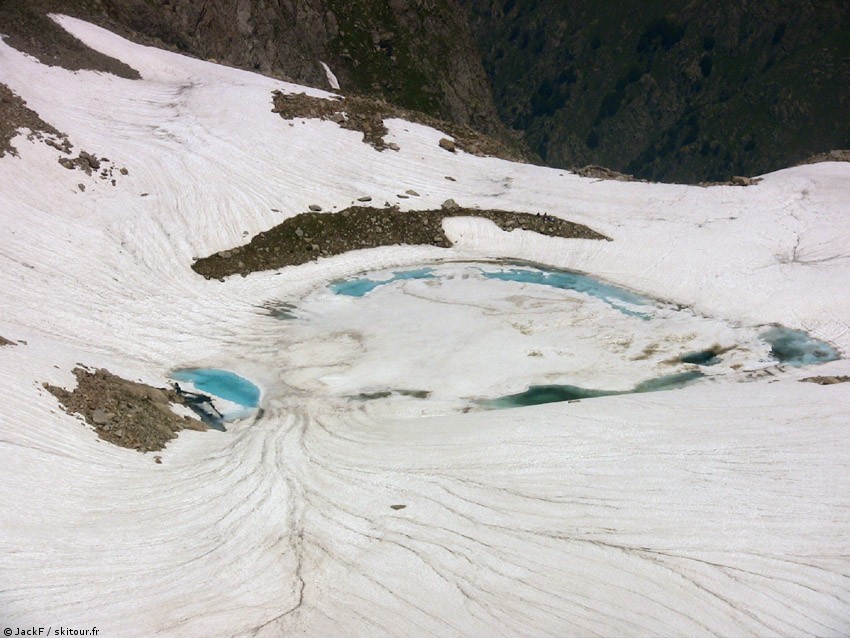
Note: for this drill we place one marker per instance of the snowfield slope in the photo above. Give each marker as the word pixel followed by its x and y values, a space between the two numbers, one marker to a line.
pixel 719 509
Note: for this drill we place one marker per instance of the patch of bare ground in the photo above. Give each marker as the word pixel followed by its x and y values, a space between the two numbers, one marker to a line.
pixel 125 413
pixel 827 380
pixel 367 115
pixel 308 236
pixel 841 155
pixel 737 180
pixel 6 342
pixel 600 172
pixel 28 28
pixel 15 115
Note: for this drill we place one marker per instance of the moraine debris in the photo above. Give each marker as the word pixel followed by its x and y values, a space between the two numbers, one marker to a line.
pixel 126 413
pixel 308 236
pixel 827 380
pixel 367 116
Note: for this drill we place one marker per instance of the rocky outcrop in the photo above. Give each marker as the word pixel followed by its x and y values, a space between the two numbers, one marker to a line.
pixel 308 236
pixel 126 413
pixel 678 91
pixel 15 115
pixel 28 28
pixel 827 380
pixel 839 155
pixel 367 115
pixel 415 54
pixel 600 172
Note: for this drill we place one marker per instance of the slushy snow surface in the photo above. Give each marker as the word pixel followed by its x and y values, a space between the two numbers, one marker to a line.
pixel 721 508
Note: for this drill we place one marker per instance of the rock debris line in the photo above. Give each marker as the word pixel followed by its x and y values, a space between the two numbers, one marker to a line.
pixel 6 342
pixel 367 115
pixel 829 380
pixel 600 172
pixel 840 155
pixel 16 115
pixel 27 28
pixel 125 413
pixel 91 164
pixel 308 236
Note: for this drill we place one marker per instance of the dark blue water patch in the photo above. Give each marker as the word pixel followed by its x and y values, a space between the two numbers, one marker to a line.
pixel 798 348
pixel 701 357
pixel 617 298
pixel 221 383
pixel 362 286
pixel 540 394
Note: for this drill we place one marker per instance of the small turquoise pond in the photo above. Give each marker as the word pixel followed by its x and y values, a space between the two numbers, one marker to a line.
pixel 221 383
pixel 540 394
pixel 798 348
pixel 361 287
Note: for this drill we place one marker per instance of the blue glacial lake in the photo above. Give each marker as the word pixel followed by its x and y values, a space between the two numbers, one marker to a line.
pixel 363 286
pixel 221 383
pixel 771 344
pixel 798 348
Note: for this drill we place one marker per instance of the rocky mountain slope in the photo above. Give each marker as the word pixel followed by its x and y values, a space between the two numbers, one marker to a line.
pixel 376 490
pixel 673 90
pixel 669 91
pixel 418 55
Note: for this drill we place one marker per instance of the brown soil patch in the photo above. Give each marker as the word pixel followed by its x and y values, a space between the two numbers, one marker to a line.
pixel 28 29
pixel 15 115
pixel 126 413
pixel 827 380
pixel 367 115
pixel 6 342
pixel 308 236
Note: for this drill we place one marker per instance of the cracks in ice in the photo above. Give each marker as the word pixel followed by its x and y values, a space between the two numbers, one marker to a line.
pixel 796 258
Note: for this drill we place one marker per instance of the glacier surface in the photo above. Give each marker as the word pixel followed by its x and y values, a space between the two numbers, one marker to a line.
pixel 721 508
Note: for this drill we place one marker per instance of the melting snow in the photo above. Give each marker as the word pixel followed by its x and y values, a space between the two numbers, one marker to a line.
pixel 719 508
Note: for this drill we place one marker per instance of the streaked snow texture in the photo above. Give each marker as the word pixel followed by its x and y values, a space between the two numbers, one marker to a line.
pixel 718 509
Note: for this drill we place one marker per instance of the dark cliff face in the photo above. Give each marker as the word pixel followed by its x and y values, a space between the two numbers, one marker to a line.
pixel 418 54
pixel 671 90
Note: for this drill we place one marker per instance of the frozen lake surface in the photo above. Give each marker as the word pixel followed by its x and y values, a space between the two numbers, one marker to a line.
pixel 485 334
